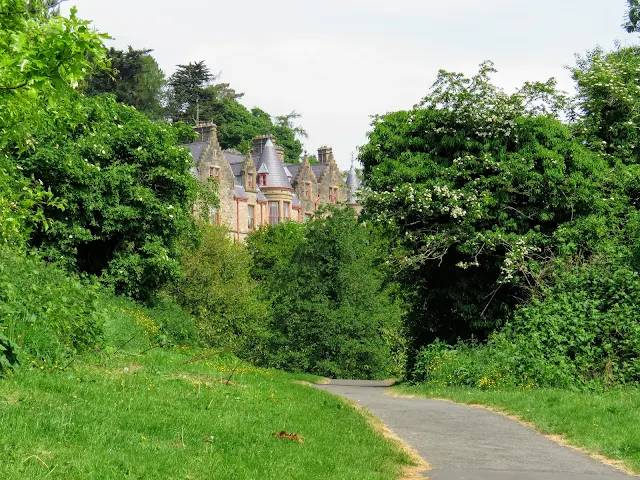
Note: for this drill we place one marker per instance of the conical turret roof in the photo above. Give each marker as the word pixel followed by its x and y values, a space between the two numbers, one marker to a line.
pixel 277 177
pixel 353 184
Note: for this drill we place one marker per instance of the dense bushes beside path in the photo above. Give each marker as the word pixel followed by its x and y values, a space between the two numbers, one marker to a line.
pixel 332 313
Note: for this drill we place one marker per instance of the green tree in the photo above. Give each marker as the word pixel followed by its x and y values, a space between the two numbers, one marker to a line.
pixel 41 58
pixel 126 184
pixel 217 289
pixel 633 16
pixel 332 314
pixel 189 99
pixel 473 184
pixel 134 78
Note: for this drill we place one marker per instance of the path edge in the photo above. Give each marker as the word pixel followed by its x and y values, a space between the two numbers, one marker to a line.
pixel 409 472
pixel 561 440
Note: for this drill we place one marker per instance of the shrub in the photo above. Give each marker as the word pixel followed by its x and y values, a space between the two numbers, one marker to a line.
pixel 332 313
pixel 217 289
pixel 127 187
pixel 44 310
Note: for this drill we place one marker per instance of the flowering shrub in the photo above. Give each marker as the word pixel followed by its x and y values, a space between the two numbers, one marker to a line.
pixel 471 184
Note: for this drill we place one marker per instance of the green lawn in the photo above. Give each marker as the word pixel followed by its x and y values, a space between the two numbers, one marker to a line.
pixel 155 416
pixel 607 423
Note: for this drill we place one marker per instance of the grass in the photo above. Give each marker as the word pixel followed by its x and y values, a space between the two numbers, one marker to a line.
pixel 158 417
pixel 605 423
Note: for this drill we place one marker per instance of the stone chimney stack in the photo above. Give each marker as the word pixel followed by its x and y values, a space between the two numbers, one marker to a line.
pixel 259 143
pixel 206 132
pixel 280 152
pixel 324 153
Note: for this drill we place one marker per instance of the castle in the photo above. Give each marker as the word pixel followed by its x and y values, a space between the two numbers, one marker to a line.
pixel 260 188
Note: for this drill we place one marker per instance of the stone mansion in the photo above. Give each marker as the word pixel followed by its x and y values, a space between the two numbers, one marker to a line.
pixel 260 188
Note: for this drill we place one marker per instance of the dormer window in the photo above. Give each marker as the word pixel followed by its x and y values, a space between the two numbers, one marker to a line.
pixel 250 181
pixel 214 172
pixel 262 179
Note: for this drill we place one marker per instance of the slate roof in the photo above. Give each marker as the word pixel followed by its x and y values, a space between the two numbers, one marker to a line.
pixel 296 200
pixel 318 168
pixel 234 158
pixel 239 192
pixel 293 169
pixel 277 176
pixel 196 149
pixel 260 196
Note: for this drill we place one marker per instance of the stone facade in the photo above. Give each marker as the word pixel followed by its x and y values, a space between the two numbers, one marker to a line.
pixel 261 189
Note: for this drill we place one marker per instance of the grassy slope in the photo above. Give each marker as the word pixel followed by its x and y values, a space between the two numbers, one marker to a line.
pixel 165 418
pixel 607 423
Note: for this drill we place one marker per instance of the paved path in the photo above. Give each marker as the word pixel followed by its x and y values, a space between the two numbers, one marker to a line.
pixel 466 443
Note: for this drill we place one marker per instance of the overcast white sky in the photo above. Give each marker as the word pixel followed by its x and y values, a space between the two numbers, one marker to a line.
pixel 339 61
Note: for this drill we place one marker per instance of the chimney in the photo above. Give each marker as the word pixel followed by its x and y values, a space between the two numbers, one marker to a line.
pixel 206 132
pixel 259 143
pixel 324 153
pixel 280 152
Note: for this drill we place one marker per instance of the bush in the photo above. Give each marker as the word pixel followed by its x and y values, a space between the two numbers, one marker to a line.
pixel 332 313
pixel 583 330
pixel 217 289
pixel 48 313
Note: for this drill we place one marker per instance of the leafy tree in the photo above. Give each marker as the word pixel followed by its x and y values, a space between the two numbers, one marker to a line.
pixel 194 96
pixel 474 183
pixel 217 289
pixel 332 314
pixel 134 78
pixel 633 16
pixel 607 102
pixel 189 99
pixel 42 58
pixel 128 192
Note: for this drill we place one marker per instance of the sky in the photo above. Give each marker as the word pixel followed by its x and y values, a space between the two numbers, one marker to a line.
pixel 337 62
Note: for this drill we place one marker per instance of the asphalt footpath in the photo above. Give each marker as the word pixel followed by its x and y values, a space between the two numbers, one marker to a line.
pixel 467 443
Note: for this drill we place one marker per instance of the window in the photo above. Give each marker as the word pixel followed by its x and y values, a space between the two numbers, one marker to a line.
pixel 250 181
pixel 274 213
pixel 251 217
pixel 286 210
pixel 215 173
pixel 262 179
pixel 214 216
pixel 308 191
pixel 333 195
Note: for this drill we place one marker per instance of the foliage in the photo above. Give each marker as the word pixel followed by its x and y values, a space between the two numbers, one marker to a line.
pixel 194 96
pixel 217 289
pixel 632 24
pixel 22 204
pixel 607 102
pixel 134 78
pixel 332 313
pixel 49 314
pixel 42 57
pixel 473 182
pixel 126 184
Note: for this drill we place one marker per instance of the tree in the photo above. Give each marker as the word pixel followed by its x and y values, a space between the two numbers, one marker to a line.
pixel 332 314
pixel 189 99
pixel 134 78
pixel 473 183
pixel 128 192
pixel 194 96
pixel 42 58
pixel 217 289
pixel 633 16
